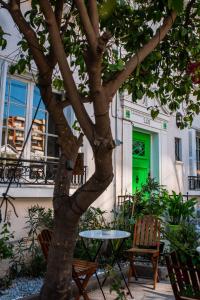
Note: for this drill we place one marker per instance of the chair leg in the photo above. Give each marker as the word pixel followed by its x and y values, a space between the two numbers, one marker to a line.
pixel 155 270
pixel 132 270
pixel 82 286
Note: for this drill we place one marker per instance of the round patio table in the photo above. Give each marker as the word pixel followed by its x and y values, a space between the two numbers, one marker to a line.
pixel 102 235
pixel 198 249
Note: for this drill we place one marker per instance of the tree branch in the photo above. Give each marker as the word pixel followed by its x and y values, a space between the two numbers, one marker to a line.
pixel 59 11
pixel 58 15
pixel 69 84
pixel 113 85
pixel 4 4
pixel 87 26
pixel 94 15
pixel 30 36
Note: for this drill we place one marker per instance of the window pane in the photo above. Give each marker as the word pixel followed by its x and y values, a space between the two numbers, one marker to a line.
pixel 16 92
pixel 178 149
pixel 36 99
pixel 37 146
pixel 14 117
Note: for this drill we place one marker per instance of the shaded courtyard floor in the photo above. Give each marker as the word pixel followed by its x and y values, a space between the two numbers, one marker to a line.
pixel 141 290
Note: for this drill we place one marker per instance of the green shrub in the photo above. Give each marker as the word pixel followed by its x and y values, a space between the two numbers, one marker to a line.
pixel 178 210
pixel 6 248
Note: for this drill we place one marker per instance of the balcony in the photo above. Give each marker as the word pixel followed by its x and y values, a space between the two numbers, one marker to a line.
pixel 34 172
pixel 194 183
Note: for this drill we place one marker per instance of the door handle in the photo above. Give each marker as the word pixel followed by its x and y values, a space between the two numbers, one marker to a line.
pixel 137 179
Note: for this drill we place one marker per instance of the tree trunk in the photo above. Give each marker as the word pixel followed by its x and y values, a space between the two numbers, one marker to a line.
pixel 57 284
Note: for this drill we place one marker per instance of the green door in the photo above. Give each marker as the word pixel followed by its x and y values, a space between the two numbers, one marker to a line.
pixel 140 159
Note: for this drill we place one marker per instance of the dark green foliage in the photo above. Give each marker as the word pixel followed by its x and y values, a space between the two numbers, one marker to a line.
pixel 177 209
pixel 184 240
pixel 3 41
pixel 28 258
pixel 6 248
pixel 162 75
pixel 150 199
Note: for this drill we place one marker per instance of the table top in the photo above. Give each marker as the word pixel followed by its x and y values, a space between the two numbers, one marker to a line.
pixel 198 249
pixel 104 234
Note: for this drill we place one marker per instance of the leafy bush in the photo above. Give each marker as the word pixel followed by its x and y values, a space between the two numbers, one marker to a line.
pixel 28 259
pixel 184 240
pixel 178 210
pixel 150 199
pixel 6 248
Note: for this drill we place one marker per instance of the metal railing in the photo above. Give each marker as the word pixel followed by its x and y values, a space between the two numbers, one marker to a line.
pixel 33 172
pixel 194 183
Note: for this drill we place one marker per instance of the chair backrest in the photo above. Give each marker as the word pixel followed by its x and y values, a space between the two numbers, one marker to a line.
pixel 184 276
pixel 147 232
pixel 44 239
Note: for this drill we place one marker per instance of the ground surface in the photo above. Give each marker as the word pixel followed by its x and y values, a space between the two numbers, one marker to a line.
pixel 141 290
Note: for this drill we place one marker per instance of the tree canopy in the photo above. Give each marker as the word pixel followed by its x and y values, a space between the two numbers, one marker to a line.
pixel 91 49
pixel 127 27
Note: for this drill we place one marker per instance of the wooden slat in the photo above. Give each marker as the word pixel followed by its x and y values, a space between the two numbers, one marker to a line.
pixel 137 233
pixel 177 268
pixel 142 232
pixel 185 276
pixel 172 277
pixel 193 274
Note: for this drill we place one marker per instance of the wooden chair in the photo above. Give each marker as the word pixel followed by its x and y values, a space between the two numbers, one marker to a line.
pixel 146 240
pixel 81 270
pixel 184 277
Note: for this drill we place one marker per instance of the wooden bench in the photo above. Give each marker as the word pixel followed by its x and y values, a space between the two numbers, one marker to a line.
pixel 184 277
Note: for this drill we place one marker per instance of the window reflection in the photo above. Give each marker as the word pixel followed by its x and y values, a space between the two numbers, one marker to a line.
pixel 44 138
pixel 14 118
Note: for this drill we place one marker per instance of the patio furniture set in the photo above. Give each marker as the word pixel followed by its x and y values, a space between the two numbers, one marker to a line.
pixel 146 241
pixel 184 275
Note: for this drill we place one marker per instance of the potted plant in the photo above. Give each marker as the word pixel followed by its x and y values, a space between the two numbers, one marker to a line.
pixel 178 210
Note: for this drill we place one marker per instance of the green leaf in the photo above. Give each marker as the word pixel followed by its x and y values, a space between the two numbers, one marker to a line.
pixel 176 5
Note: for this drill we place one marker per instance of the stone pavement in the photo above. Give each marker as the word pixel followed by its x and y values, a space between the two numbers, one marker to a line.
pixel 141 290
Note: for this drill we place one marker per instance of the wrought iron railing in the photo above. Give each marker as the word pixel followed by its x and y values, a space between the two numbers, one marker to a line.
pixel 194 183
pixel 33 172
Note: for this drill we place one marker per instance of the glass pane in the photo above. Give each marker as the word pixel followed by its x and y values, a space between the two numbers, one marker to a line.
pixel 37 145
pixel 52 147
pixel 138 148
pixel 17 113
pixel 15 139
pixel 40 121
pixel 36 99
pixel 16 91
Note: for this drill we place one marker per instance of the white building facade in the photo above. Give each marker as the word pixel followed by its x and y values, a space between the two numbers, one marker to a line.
pixel 144 146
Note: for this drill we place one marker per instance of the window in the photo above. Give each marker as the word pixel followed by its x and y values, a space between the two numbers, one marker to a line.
pixel 14 117
pixel 138 148
pixel 43 138
pixel 19 110
pixel 198 152
pixel 178 149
